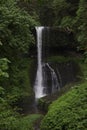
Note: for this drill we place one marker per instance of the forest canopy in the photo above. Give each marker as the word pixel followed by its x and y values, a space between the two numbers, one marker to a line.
pixel 15 26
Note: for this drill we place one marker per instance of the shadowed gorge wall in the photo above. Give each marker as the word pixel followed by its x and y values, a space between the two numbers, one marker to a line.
pixel 54 71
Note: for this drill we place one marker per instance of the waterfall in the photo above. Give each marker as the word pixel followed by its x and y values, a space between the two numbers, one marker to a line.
pixel 39 88
pixel 55 82
pixel 41 85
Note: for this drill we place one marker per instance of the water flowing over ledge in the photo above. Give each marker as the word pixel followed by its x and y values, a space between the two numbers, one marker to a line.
pixel 40 86
pixel 39 77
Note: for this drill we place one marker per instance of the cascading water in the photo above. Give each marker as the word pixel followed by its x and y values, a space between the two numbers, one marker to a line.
pixel 55 83
pixel 39 88
pixel 41 85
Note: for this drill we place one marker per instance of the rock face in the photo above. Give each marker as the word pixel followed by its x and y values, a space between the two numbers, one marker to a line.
pixel 53 36
pixel 55 40
pixel 54 74
pixel 66 73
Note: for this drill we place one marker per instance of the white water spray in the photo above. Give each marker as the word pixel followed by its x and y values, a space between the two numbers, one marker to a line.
pixel 39 88
pixel 55 83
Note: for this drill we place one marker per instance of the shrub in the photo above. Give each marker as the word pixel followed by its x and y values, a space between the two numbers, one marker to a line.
pixel 69 112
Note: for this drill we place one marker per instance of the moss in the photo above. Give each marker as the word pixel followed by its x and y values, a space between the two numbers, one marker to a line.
pixel 63 59
pixel 58 59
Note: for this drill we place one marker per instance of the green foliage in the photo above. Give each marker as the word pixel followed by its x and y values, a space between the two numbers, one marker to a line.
pixel 64 13
pixel 64 59
pixel 27 123
pixel 83 66
pixel 67 21
pixel 12 121
pixel 19 85
pixel 7 115
pixel 15 25
pixel 59 59
pixel 45 12
pixel 82 24
pixel 73 16
pixel 1 91
pixel 65 8
pixel 68 112
pixel 3 67
pixel 3 74
pixel 8 118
